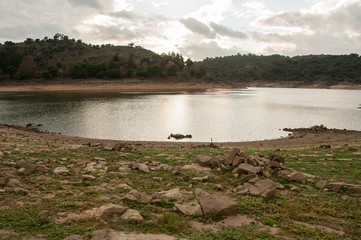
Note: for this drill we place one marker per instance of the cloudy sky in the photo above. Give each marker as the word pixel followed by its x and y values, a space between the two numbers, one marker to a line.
pixel 195 28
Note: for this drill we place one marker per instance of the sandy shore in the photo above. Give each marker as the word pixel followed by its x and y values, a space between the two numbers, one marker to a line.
pixel 125 85
pixel 147 85
pixel 297 138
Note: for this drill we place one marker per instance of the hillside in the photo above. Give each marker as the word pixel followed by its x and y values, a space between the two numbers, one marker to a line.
pixel 327 69
pixel 61 57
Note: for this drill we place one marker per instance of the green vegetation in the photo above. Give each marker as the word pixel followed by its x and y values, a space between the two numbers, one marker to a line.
pixel 310 213
pixel 327 69
pixel 62 57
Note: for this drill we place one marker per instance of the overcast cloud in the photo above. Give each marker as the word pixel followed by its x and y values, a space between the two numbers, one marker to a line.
pixel 197 29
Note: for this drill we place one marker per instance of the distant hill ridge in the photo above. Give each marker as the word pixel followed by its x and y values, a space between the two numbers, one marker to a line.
pixel 330 69
pixel 62 57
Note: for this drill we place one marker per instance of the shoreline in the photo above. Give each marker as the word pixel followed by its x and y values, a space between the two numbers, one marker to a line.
pixel 298 138
pixel 146 85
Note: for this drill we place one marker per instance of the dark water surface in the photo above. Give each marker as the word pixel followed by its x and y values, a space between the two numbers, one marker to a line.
pixel 223 115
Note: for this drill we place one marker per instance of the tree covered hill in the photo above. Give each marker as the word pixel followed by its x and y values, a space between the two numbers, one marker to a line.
pixel 62 57
pixel 330 69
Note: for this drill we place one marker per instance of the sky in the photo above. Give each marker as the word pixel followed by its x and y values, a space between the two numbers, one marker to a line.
pixel 195 28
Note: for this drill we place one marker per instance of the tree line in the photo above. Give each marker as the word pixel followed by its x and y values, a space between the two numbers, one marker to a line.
pixel 62 57
pixel 330 69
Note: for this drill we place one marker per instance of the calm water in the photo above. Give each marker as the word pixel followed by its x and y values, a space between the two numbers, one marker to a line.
pixel 223 115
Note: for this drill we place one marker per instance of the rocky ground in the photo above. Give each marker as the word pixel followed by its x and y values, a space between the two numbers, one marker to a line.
pixel 307 186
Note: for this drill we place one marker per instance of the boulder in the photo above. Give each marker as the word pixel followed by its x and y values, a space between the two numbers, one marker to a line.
pixel 132 215
pixel 264 188
pixel 237 160
pixel 249 177
pixel 13 182
pixel 206 161
pixel 4 178
pixel 245 168
pixel 231 156
pixel 218 205
pixel 88 177
pixel 173 194
pixel 110 146
pixel 189 209
pixel 141 196
pixel 110 209
pixel 140 166
pixel 61 170
pixel 276 157
pixel 29 168
pixel 297 177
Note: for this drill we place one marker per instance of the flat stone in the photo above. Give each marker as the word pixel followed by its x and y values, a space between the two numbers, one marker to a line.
pixel 218 204
pixel 245 168
pixel 110 146
pixel 297 177
pixel 61 170
pixel 132 215
pixel 195 167
pixel 200 193
pixel 88 177
pixel 173 194
pixel 110 209
pixel 264 188
pixel 190 209
pixel 141 196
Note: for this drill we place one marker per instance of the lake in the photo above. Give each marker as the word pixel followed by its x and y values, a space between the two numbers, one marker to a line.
pixel 221 115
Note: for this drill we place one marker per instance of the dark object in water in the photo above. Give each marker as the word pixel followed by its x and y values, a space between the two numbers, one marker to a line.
pixel 178 136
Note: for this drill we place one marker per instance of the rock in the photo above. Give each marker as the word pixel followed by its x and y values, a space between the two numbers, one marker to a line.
pixel 132 215
pixel 189 209
pixel 128 197
pixel 353 187
pixel 236 161
pixel 297 177
pixel 229 159
pixel 200 179
pixel 249 177
pixel 217 187
pixel 141 196
pixel 173 194
pixel 61 170
pixel 335 187
pixel 273 164
pixel 108 235
pixel 110 209
pixel 267 174
pixel 245 168
pixel 276 157
pixel 13 182
pixel 200 193
pixel 140 166
pixel 254 180
pixel 264 188
pixel 29 168
pixel 74 237
pixel 206 161
pixel 321 184
pixel 113 168
pixel 88 177
pixel 218 205
pixel 295 189
pixel 196 168
pixel 110 146
pixel 125 186
pixel 4 178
